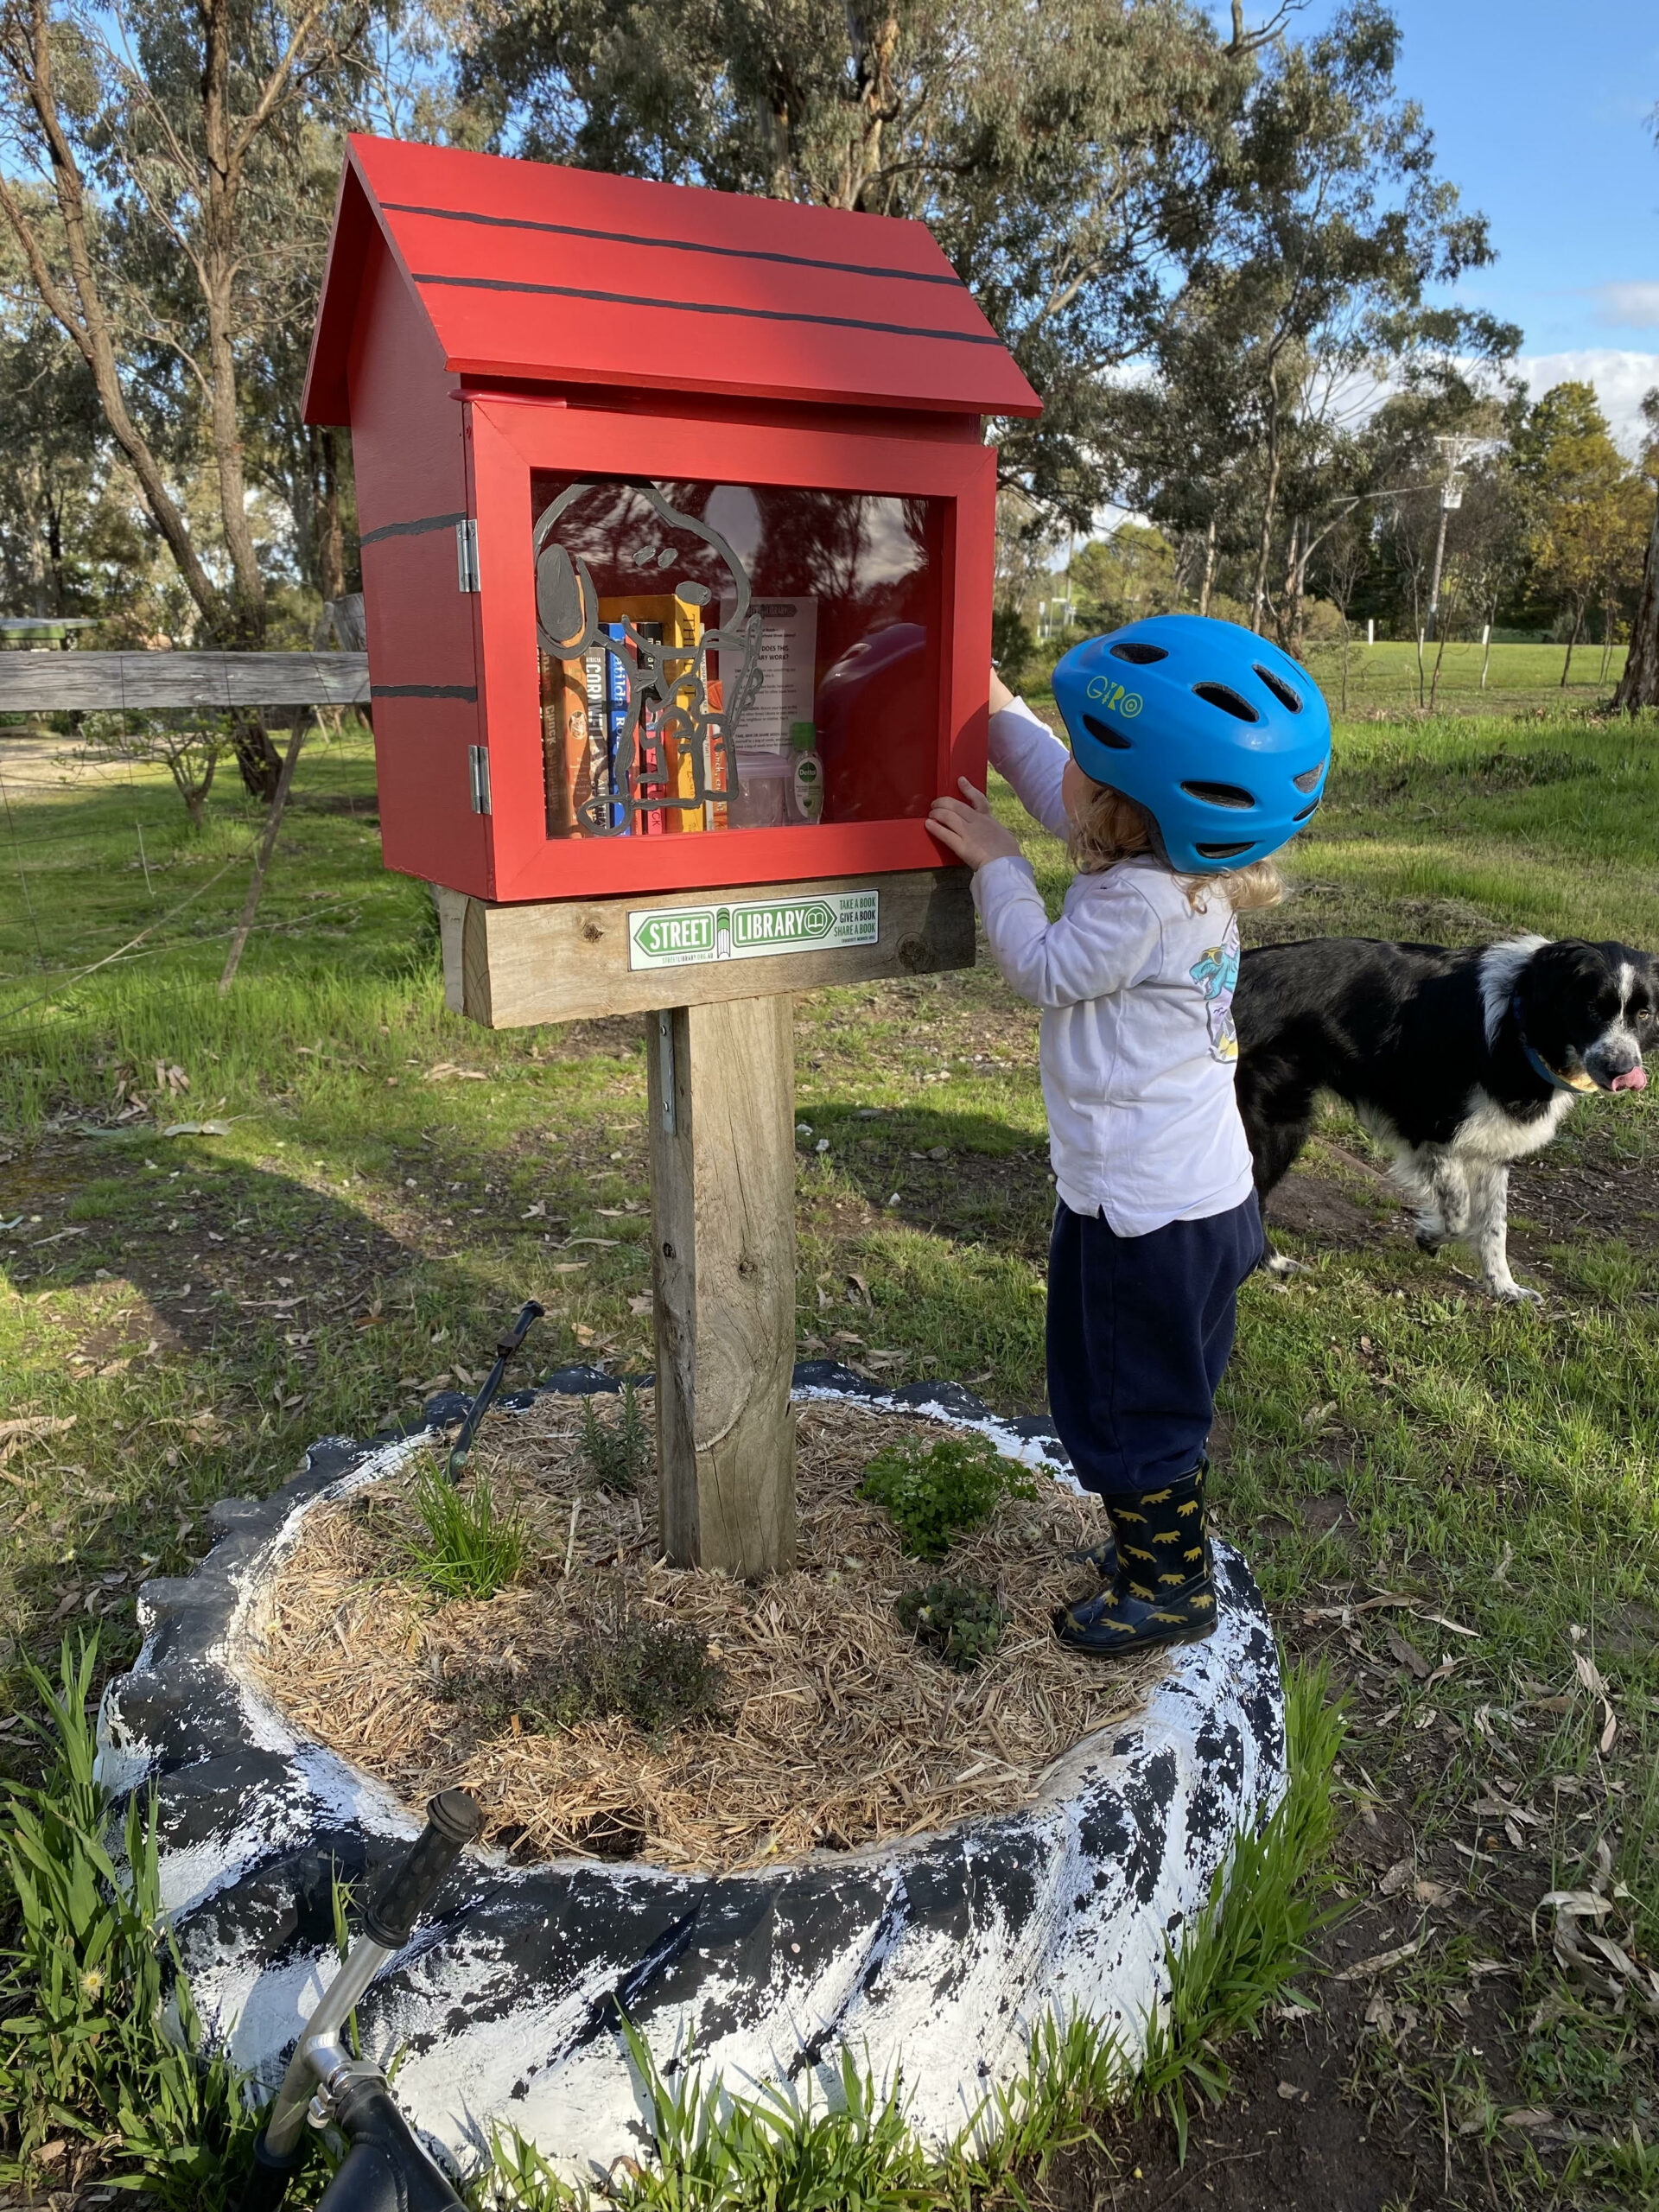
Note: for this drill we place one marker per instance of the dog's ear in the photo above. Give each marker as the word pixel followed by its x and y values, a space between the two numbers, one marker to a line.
pixel 1568 965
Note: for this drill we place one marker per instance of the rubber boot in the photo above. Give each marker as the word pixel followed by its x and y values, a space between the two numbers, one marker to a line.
pixel 1162 1592
pixel 1103 1557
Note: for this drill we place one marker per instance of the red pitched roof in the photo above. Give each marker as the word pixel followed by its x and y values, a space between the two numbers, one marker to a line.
pixel 564 276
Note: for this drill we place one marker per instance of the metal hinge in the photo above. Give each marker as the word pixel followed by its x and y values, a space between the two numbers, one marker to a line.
pixel 478 765
pixel 466 555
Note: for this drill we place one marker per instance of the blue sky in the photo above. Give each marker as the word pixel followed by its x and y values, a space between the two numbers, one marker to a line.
pixel 1542 116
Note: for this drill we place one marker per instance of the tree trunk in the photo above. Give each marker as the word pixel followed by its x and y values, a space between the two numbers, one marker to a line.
pixel 1207 583
pixel 1577 625
pixel 774 126
pixel 331 542
pixel 877 42
pixel 218 262
pixel 54 554
pixel 82 317
pixel 1638 686
pixel 1269 504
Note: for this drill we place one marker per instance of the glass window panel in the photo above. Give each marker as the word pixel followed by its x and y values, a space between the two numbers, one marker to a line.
pixel 719 657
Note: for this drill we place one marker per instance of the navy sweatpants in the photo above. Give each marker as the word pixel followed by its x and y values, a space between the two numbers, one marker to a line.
pixel 1139 1333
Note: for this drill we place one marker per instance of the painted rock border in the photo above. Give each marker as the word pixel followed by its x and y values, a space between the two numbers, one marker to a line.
pixel 933 1959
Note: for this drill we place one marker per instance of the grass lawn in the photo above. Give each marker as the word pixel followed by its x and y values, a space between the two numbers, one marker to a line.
pixel 1452 1501
pixel 1383 679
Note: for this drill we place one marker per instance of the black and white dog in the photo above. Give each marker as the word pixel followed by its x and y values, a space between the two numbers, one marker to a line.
pixel 1459 1062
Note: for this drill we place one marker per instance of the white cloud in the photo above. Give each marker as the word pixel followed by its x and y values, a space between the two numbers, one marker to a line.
pixel 1634 305
pixel 1620 380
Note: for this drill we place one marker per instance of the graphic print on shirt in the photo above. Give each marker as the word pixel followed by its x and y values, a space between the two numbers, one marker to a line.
pixel 1217 976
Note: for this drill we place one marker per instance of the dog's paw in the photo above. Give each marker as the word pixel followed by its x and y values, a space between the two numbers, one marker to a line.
pixel 1514 1293
pixel 1429 1240
pixel 1281 1263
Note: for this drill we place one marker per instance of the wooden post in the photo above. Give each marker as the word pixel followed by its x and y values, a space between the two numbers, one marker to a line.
pixel 722 1176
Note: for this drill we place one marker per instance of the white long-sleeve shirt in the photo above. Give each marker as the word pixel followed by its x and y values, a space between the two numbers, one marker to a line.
pixel 1138 1048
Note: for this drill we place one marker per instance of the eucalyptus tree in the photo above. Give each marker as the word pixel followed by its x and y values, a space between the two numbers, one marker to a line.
pixel 168 218
pixel 1057 148
pixel 1638 686
pixel 1331 225
pixel 1588 511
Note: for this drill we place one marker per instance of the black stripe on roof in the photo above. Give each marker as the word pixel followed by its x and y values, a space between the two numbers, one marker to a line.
pixel 706 307
pixel 423 691
pixel 409 529
pixel 673 246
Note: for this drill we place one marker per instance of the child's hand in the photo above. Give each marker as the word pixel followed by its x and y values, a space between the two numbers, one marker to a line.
pixel 1000 695
pixel 969 829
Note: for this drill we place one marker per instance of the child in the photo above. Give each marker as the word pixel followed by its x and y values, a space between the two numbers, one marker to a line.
pixel 1197 749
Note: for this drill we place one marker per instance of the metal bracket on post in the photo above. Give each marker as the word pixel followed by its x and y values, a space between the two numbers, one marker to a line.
pixel 665 1072
pixel 467 556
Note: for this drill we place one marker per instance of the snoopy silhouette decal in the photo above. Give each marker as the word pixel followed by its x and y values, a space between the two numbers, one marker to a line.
pixel 673 722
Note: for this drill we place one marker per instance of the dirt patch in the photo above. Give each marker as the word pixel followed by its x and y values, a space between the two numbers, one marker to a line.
pixel 1328 909
pixel 1286 2140
pixel 1309 1206
pixel 1602 1192
pixel 835 1729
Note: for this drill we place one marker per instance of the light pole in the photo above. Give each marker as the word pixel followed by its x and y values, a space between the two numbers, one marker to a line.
pixel 1455 449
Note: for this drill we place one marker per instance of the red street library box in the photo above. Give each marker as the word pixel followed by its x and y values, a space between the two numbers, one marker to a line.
pixel 677 524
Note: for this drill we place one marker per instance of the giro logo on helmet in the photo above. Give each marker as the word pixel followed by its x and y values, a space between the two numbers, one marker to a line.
pixel 1114 699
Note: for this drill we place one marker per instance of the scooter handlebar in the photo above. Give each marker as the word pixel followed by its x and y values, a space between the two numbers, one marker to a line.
pixel 452 1823
pixel 385 2169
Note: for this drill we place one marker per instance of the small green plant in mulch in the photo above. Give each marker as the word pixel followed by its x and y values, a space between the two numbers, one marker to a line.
pixel 659 1678
pixel 469 1546
pixel 962 1621
pixel 936 1492
pixel 618 1453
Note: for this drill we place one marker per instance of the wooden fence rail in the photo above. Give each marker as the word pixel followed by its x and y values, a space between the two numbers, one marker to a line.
pixel 33 683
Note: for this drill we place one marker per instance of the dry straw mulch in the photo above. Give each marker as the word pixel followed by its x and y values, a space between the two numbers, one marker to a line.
pixel 836 1729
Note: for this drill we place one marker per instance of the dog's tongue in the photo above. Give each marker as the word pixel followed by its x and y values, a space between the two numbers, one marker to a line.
pixel 1634 1078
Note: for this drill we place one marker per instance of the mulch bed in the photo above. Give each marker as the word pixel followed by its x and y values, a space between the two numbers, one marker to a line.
pixel 831 1728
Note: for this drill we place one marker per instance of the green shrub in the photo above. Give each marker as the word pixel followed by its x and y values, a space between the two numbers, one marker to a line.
pixel 659 1678
pixel 471 1548
pixel 962 1621
pixel 618 1455
pixel 87 1975
pixel 935 1492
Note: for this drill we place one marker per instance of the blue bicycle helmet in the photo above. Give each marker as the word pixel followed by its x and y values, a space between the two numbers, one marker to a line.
pixel 1224 739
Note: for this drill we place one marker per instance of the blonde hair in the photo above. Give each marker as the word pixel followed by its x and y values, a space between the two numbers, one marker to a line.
pixel 1110 827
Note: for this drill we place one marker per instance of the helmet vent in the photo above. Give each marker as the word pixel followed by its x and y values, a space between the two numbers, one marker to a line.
pixel 1136 650
pixel 1106 733
pixel 1308 778
pixel 1218 694
pixel 1305 811
pixel 1290 701
pixel 1223 852
pixel 1220 794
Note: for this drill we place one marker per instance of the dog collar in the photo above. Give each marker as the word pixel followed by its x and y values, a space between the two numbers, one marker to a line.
pixel 1541 1066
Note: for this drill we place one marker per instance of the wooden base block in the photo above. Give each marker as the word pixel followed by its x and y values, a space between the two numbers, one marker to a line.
pixel 723 1178
pixel 571 959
